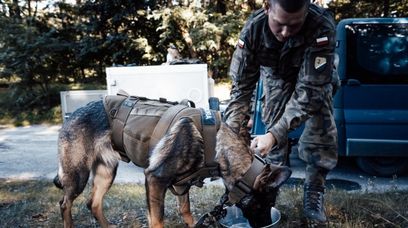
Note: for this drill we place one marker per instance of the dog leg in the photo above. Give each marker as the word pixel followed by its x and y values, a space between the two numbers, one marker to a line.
pixel 155 194
pixel 180 151
pixel 71 192
pixel 183 202
pixel 102 181
pixel 65 207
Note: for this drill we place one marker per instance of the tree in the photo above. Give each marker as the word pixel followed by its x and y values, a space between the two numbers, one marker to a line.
pixel 368 8
pixel 46 45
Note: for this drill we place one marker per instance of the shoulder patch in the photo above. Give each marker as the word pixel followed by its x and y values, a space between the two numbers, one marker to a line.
pixel 241 43
pixel 321 41
pixel 320 63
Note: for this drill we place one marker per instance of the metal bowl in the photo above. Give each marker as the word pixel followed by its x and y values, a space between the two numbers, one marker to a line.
pixel 235 218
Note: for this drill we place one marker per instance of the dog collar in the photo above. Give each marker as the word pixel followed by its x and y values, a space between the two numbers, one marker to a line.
pixel 244 186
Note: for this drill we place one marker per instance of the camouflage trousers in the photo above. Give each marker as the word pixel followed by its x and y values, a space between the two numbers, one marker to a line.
pixel 318 142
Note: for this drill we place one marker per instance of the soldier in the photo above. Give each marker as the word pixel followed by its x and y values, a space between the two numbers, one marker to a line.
pixel 290 44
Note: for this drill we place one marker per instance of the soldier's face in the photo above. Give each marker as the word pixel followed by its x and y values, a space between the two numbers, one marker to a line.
pixel 283 24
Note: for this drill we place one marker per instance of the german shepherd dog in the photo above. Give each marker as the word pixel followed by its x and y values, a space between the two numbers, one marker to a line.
pixel 85 148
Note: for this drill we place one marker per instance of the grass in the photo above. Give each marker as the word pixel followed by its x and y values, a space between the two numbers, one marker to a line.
pixel 34 203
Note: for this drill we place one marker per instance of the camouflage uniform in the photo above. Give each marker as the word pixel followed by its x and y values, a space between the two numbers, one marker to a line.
pixel 299 81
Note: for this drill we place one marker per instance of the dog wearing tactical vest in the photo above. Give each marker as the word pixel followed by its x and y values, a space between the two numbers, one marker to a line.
pixel 183 146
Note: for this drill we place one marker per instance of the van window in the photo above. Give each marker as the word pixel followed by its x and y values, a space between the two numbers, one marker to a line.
pixel 377 53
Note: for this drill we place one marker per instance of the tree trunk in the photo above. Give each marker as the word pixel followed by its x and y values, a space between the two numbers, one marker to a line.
pixel 252 4
pixel 386 8
pixel 15 11
pixel 221 7
pixel 189 42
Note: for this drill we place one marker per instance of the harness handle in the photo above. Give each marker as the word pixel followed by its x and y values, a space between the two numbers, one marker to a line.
pixel 188 103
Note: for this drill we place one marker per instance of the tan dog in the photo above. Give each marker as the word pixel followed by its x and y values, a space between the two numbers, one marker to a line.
pixel 85 148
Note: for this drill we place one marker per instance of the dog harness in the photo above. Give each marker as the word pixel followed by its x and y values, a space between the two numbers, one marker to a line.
pixel 139 123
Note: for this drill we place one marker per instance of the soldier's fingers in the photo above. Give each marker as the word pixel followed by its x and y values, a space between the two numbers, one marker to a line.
pixel 258 152
pixel 263 152
pixel 254 143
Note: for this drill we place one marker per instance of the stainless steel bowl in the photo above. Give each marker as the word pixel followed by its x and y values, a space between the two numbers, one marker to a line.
pixel 235 218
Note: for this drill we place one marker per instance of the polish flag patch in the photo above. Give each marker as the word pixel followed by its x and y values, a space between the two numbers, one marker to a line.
pixel 322 41
pixel 241 43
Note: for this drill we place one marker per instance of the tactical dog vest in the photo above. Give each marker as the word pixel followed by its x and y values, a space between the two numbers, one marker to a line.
pixel 138 124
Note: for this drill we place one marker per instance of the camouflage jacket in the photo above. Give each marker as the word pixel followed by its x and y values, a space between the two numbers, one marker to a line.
pixel 306 59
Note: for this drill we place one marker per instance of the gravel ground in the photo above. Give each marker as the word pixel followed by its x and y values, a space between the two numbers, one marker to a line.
pixel 31 153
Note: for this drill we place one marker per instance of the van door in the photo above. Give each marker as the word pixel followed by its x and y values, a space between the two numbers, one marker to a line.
pixel 376 89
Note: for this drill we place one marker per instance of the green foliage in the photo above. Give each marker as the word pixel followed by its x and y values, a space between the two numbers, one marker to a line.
pixel 368 8
pixel 20 107
pixel 202 34
pixel 42 45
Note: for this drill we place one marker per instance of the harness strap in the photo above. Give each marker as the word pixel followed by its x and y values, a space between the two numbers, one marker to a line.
pixel 211 124
pixel 244 186
pixel 198 176
pixel 119 121
pixel 164 123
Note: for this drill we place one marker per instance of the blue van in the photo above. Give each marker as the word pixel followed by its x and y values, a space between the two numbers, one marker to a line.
pixel 371 107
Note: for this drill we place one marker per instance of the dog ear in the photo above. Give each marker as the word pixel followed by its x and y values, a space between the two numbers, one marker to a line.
pixel 279 174
pixel 272 176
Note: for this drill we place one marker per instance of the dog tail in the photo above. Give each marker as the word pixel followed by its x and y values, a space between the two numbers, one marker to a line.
pixel 57 182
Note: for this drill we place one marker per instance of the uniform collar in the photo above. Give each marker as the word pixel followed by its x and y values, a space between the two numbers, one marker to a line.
pixel 270 39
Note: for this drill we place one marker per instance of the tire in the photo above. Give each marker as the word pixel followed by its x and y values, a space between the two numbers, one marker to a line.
pixel 383 166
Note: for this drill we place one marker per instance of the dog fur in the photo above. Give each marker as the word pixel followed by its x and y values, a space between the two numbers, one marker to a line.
pixel 85 149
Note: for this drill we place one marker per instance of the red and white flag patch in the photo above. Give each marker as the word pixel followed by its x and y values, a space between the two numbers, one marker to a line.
pixel 241 43
pixel 322 41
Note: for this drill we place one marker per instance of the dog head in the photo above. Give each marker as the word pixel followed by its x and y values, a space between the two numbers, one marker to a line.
pixel 256 206
pixel 235 158
pixel 233 155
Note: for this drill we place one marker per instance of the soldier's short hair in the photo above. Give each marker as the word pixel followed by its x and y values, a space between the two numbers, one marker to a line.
pixel 290 6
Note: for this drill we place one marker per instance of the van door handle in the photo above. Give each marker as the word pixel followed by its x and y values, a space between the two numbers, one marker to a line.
pixel 353 82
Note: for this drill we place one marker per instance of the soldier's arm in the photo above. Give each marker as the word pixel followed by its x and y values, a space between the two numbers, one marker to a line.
pixel 244 72
pixel 313 85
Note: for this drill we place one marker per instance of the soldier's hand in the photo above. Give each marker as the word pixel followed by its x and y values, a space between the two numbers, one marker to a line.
pixel 263 143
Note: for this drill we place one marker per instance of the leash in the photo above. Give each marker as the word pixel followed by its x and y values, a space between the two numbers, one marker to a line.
pixel 237 194
pixel 211 218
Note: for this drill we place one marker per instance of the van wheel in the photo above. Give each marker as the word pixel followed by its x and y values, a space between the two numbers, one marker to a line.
pixel 383 166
